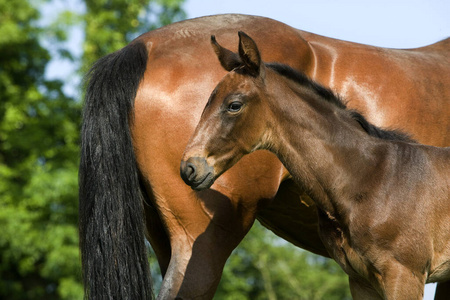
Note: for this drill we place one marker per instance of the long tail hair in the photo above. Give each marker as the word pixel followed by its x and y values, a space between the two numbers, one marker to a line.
pixel 111 216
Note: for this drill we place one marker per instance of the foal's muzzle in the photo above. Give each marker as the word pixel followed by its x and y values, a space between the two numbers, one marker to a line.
pixel 197 173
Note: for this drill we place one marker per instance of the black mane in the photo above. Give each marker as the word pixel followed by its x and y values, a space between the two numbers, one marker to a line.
pixel 328 95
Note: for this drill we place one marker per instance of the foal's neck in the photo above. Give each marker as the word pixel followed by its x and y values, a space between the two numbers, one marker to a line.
pixel 323 147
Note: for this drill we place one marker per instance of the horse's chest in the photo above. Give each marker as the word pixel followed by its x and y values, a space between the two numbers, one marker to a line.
pixel 339 248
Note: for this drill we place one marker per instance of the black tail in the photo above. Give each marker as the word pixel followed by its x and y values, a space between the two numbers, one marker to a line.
pixel 111 217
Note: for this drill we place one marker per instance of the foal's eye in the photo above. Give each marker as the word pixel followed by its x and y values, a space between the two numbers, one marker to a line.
pixel 234 106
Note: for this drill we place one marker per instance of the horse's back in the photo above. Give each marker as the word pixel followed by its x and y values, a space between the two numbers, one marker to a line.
pixel 397 88
pixel 441 47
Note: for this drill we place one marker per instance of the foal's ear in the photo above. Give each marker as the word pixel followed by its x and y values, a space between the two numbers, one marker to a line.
pixel 228 59
pixel 249 54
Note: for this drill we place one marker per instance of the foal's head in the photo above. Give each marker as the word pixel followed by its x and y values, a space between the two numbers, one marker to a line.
pixel 233 122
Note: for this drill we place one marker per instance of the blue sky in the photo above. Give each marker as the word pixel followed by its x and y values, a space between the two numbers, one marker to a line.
pixel 387 23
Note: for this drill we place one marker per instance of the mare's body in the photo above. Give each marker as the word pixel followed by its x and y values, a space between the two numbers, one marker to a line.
pixel 162 80
pixel 383 200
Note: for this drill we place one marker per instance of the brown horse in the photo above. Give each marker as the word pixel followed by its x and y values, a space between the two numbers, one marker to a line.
pixel 142 105
pixel 383 201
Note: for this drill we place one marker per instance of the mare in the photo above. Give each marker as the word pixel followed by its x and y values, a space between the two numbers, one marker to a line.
pixel 142 104
pixel 383 201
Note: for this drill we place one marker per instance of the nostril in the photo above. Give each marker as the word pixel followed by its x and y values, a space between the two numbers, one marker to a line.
pixel 190 171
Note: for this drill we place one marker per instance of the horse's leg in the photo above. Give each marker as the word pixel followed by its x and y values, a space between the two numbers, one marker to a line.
pixel 156 233
pixel 363 291
pixel 398 283
pixel 197 258
pixel 200 240
pixel 401 283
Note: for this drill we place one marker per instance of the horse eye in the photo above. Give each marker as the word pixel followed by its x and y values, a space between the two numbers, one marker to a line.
pixel 234 106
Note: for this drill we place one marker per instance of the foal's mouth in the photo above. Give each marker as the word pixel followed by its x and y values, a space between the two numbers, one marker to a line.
pixel 204 183
pixel 197 173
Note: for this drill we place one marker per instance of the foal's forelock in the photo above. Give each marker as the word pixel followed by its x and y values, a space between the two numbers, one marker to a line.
pixel 328 95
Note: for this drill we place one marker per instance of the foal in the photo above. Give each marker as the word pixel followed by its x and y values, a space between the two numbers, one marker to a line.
pixel 383 200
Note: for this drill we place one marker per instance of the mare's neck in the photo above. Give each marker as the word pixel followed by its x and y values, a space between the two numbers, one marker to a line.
pixel 323 148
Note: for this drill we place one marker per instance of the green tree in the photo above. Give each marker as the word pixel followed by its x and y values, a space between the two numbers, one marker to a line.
pixel 38 166
pixel 111 24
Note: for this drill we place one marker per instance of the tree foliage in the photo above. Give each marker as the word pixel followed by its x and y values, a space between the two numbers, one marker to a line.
pixel 38 166
pixel 111 24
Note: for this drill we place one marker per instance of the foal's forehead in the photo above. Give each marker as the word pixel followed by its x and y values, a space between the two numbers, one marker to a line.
pixel 235 82
pixel 232 83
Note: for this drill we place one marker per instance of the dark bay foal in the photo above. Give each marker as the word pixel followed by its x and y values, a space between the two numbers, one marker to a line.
pixel 383 200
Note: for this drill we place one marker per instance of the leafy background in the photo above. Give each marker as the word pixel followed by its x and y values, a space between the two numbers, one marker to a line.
pixel 39 153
